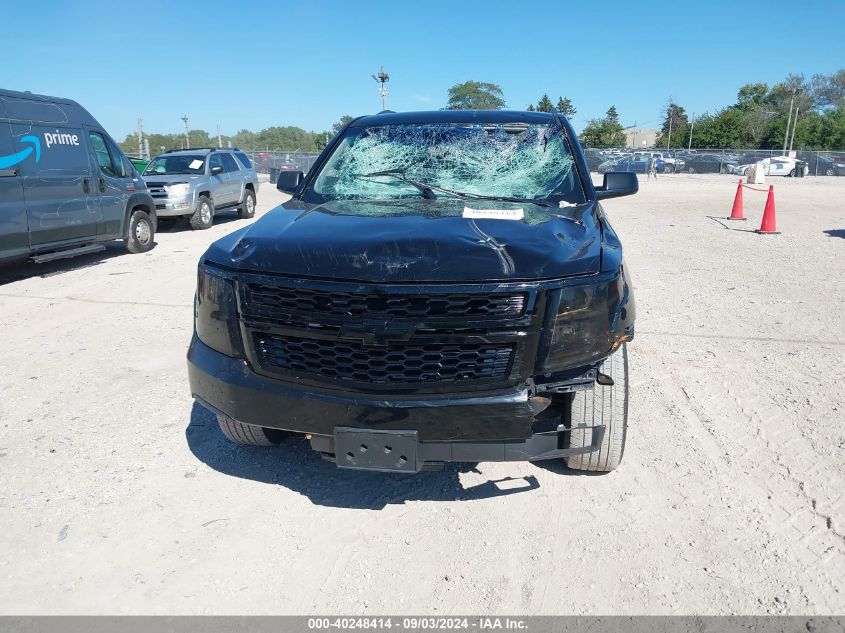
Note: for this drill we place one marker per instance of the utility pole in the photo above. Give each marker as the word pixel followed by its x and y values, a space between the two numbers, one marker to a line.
pixel 382 79
pixel 187 138
pixel 692 125
pixel 140 138
pixel 219 137
pixel 789 120
pixel 794 125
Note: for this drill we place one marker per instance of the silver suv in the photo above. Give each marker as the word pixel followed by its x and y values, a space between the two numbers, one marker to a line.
pixel 196 183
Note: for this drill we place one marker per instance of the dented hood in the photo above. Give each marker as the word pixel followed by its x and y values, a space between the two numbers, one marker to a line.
pixel 411 241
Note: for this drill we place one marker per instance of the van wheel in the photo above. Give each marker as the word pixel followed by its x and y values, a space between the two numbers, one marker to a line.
pixel 203 217
pixel 241 433
pixel 607 405
pixel 141 232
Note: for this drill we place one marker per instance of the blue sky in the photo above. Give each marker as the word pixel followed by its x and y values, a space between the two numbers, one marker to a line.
pixel 255 64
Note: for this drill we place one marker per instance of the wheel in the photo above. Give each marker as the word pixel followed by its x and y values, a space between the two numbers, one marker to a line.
pixel 141 232
pixel 691 170
pixel 203 217
pixel 828 171
pixel 791 173
pixel 668 169
pixel 606 405
pixel 240 433
pixel 247 208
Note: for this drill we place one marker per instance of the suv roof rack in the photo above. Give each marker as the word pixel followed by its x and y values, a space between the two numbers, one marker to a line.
pixel 196 149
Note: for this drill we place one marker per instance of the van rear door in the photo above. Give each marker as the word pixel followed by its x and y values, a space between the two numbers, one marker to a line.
pixel 14 236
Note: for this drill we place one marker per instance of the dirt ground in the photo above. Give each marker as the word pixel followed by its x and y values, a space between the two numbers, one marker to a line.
pixel 119 495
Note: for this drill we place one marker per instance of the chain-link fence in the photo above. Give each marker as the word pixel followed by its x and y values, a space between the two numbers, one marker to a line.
pixel 718 160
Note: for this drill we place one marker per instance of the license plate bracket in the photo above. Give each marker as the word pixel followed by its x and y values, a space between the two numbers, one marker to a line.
pixel 379 450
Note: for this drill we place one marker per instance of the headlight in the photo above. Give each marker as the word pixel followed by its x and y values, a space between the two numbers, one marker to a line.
pixel 216 313
pixel 178 189
pixel 592 321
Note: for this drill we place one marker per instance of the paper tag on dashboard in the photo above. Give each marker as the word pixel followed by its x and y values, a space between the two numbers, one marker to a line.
pixel 494 214
pixel 195 164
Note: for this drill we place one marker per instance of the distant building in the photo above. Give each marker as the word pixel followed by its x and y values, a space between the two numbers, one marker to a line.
pixel 639 137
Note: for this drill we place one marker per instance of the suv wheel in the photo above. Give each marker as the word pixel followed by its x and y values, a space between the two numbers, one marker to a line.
pixel 607 405
pixel 203 217
pixel 669 169
pixel 241 433
pixel 141 232
pixel 247 208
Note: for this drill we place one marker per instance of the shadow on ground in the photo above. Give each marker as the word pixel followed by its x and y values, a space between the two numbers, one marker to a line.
pixel 836 233
pixel 18 271
pixel 177 225
pixel 295 466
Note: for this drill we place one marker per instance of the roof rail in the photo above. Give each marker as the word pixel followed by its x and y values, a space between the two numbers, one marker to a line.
pixel 387 112
pixel 211 149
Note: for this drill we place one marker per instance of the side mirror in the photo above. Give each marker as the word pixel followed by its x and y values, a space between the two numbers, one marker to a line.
pixel 618 183
pixel 289 180
pixel 217 169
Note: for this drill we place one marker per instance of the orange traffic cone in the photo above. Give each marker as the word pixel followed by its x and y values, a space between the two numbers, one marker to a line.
pixel 769 225
pixel 736 211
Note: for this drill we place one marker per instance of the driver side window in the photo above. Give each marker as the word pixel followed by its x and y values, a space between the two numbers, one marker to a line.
pixel 214 161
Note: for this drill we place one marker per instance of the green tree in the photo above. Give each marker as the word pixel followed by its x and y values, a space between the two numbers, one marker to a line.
pixel 675 120
pixel 751 96
pixel 545 104
pixel 337 127
pixel 565 107
pixel 531 108
pixel 476 95
pixel 606 132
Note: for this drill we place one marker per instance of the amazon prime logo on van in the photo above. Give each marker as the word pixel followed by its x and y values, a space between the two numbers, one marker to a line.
pixel 18 157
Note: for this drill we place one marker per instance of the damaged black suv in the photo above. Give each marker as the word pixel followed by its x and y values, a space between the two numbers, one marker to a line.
pixel 442 286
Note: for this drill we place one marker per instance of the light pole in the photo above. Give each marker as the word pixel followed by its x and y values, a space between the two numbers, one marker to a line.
pixel 187 138
pixel 382 79
pixel 692 125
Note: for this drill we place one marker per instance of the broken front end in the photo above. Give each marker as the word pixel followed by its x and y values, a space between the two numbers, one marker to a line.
pixel 405 377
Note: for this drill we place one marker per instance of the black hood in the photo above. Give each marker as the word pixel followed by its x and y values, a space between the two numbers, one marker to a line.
pixel 415 240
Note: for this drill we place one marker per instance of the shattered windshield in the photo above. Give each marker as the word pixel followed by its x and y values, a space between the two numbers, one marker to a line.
pixel 529 161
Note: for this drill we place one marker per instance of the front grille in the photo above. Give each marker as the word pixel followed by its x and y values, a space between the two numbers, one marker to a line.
pixel 396 363
pixel 268 301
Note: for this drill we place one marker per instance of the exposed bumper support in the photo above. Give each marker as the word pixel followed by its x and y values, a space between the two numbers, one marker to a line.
pixel 399 451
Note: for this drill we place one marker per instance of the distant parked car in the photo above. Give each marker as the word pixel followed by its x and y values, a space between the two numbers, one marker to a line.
pixel 595 158
pixel 775 166
pixel 672 164
pixel 709 164
pixel 822 165
pixel 637 163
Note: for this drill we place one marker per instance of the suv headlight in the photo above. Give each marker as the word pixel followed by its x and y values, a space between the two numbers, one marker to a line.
pixel 177 189
pixel 216 313
pixel 592 320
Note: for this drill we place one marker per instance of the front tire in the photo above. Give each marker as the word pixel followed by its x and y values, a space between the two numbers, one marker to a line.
pixel 141 232
pixel 669 169
pixel 247 208
pixel 241 433
pixel 203 217
pixel 607 405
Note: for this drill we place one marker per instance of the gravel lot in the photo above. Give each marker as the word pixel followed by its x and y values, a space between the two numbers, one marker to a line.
pixel 120 496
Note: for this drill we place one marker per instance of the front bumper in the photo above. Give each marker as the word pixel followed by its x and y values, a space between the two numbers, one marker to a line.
pixel 399 435
pixel 228 385
pixel 171 207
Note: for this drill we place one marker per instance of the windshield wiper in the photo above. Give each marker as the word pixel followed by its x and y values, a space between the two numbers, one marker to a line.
pixel 426 190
